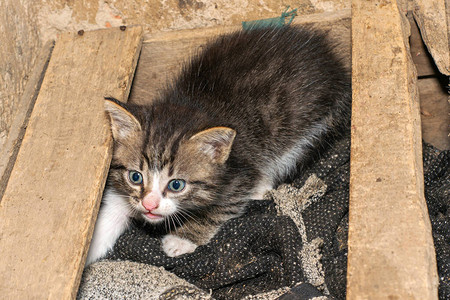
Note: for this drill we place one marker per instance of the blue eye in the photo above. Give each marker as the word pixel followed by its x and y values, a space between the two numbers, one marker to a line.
pixel 176 185
pixel 135 177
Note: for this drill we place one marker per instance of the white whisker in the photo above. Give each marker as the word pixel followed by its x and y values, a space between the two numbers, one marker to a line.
pixel 180 223
pixel 174 225
pixel 185 213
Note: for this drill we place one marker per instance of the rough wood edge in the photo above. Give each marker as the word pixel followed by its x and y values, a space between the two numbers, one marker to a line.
pixel 213 31
pixel 124 98
pixel 432 17
pixel 70 289
pixel 373 273
pixel 11 147
pixel 422 59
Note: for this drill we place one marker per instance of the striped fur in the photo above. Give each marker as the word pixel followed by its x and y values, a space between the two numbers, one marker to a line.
pixel 274 98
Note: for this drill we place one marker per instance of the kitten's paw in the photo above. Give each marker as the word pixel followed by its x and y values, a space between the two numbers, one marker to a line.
pixel 175 246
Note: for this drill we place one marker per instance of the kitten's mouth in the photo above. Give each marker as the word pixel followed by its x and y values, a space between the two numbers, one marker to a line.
pixel 154 217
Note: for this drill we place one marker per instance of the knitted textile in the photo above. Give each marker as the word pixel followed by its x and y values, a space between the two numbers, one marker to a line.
pixel 436 168
pixel 297 235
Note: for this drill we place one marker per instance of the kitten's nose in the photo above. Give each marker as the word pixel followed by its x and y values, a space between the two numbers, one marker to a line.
pixel 151 201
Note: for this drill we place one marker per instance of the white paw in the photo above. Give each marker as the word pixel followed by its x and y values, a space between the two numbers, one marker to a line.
pixel 175 246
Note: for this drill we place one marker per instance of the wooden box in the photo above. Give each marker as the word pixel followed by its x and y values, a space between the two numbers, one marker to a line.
pixel 61 149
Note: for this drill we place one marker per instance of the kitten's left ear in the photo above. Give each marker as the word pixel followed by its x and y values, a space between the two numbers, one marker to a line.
pixel 215 142
pixel 123 123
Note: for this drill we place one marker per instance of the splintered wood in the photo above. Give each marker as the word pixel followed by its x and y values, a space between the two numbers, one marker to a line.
pixel 433 17
pixel 48 210
pixel 391 253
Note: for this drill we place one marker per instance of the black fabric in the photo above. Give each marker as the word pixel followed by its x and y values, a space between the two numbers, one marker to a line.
pixel 259 251
pixel 249 255
pixel 327 218
pixel 436 167
pixel 303 291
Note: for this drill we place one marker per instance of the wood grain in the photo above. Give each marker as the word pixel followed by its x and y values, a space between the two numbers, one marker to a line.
pixel 391 253
pixel 431 17
pixel 435 113
pixel 164 53
pixel 49 206
pixel 10 148
pixel 422 58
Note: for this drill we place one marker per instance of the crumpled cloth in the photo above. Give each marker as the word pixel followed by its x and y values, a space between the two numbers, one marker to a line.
pixel 296 238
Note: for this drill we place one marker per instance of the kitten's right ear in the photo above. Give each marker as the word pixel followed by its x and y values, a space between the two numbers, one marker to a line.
pixel 215 142
pixel 123 123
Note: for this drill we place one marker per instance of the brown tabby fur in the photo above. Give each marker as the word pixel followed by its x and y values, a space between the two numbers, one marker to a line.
pixel 282 92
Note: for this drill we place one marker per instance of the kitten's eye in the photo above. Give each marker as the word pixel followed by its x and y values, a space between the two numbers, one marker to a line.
pixel 176 185
pixel 135 177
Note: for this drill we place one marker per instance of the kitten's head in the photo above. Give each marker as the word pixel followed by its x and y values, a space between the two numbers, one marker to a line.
pixel 166 171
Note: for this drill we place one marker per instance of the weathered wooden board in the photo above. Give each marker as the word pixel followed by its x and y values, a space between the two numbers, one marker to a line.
pixel 434 106
pixel 48 210
pixel 391 253
pixel 435 113
pixel 10 148
pixel 163 53
pixel 431 17
pixel 422 58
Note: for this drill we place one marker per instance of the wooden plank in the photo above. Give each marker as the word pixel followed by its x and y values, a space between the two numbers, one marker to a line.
pixel 317 19
pixel 435 113
pixel 391 253
pixel 422 58
pixel 49 206
pixel 163 53
pixel 431 17
pixel 10 148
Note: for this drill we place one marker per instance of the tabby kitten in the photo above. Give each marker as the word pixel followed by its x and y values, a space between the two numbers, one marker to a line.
pixel 239 119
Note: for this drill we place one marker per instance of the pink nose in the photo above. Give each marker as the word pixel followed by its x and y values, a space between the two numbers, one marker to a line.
pixel 151 201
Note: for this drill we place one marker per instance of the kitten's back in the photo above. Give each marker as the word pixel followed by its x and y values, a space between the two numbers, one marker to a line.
pixel 282 89
pixel 239 118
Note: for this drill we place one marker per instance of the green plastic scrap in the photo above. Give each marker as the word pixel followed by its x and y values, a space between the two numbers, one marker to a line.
pixel 272 22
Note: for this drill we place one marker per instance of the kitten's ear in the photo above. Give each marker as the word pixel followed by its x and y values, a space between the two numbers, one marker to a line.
pixel 123 123
pixel 215 142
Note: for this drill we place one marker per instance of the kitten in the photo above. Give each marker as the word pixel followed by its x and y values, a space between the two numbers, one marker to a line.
pixel 238 120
